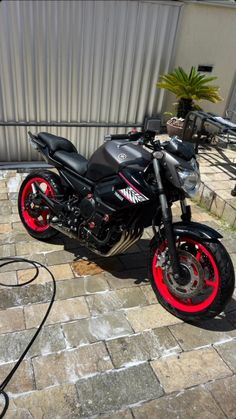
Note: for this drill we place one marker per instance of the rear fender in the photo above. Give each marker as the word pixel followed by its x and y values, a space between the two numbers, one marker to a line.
pixel 195 230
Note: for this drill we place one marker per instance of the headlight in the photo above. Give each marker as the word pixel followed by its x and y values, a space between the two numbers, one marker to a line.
pixel 190 178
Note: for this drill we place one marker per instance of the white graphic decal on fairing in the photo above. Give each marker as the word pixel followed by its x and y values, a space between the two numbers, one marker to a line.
pixel 132 196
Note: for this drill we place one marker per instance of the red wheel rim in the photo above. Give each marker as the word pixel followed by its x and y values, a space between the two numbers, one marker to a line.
pixel 211 285
pixel 39 223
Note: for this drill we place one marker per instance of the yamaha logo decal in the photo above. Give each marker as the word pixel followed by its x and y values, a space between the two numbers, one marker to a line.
pixel 122 156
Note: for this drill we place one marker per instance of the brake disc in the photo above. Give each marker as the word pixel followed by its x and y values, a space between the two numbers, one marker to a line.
pixel 193 273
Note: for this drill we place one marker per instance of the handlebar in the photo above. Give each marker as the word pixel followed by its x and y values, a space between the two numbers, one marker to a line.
pixel 130 136
pixel 147 135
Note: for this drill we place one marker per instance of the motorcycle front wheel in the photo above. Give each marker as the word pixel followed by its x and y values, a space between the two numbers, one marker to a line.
pixel 206 283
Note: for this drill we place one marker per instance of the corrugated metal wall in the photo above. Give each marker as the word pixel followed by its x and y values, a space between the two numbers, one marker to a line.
pixel 83 61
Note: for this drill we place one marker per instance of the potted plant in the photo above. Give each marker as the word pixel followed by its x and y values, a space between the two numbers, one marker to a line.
pixel 189 88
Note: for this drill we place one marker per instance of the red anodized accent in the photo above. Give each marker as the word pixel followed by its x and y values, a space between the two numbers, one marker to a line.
pixel 36 224
pixel 188 305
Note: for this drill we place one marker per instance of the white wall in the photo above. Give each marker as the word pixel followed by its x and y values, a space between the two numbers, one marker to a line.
pixel 207 35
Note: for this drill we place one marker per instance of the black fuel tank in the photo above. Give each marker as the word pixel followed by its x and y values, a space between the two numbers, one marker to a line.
pixel 115 155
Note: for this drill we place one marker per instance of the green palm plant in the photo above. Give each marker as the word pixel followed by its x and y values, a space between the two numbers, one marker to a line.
pixel 189 89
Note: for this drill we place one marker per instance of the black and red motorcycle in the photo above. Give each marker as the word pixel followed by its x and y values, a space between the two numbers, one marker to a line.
pixel 128 184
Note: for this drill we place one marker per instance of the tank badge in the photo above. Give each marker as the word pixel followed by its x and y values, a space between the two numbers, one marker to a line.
pixel 122 156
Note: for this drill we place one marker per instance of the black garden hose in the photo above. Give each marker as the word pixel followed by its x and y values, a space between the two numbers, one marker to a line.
pixel 6 261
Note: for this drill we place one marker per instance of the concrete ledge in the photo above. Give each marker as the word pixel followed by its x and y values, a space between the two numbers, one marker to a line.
pixel 217 205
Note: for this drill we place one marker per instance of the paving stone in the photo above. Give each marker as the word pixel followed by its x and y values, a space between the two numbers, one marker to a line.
pixel 194 403
pixel 14 209
pixel 7 250
pixel 18 226
pixel 5 228
pixel 60 272
pixel 127 279
pixel 230 244
pixel 49 340
pixel 11 218
pixel 215 177
pixel 62 311
pixel 189 369
pixel 30 294
pixel 227 352
pixel 13 196
pixel 3 184
pixel 207 197
pixel 133 261
pixel 224 392
pixel 24 265
pixel 150 317
pixel 143 244
pixel 14 182
pixel 190 336
pixel 80 286
pixel 60 256
pixel 149 294
pixel 5 174
pixel 14 237
pixel 92 284
pixel 210 169
pixel 115 300
pixel 124 414
pixel 231 306
pixel 110 264
pixel 10 278
pixel 24 248
pixel 71 365
pixel 229 214
pixel 217 206
pixel 117 389
pixel 11 320
pixel 142 347
pixel 232 318
pixel 198 195
pixel 5 208
pixel 51 403
pixel 86 267
pixel 225 193
pixel 104 327
pixel 23 379
pixel 3 196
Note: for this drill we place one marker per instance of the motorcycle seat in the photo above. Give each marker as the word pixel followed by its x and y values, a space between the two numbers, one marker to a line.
pixel 55 143
pixel 72 160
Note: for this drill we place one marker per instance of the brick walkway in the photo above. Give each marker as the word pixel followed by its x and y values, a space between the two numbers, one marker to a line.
pixel 108 348
pixel 218 175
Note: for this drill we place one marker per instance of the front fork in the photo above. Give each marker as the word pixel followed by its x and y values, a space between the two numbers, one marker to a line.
pixel 167 220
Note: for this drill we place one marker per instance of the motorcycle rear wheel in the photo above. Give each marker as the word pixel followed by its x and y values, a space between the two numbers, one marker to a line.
pixel 217 279
pixel 35 218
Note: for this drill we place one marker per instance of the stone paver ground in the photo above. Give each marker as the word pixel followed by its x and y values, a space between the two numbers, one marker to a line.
pixel 218 175
pixel 108 348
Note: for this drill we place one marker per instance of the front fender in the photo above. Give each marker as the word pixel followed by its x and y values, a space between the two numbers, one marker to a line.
pixel 195 230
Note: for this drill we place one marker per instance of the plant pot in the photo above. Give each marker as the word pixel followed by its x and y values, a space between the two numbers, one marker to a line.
pixel 173 129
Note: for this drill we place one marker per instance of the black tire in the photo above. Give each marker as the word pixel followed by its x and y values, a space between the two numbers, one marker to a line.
pixel 224 291
pixel 53 182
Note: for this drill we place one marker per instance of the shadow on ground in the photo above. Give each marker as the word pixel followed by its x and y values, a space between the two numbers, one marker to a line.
pixel 134 265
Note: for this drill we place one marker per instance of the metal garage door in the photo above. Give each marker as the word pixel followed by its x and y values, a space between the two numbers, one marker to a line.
pixel 81 61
